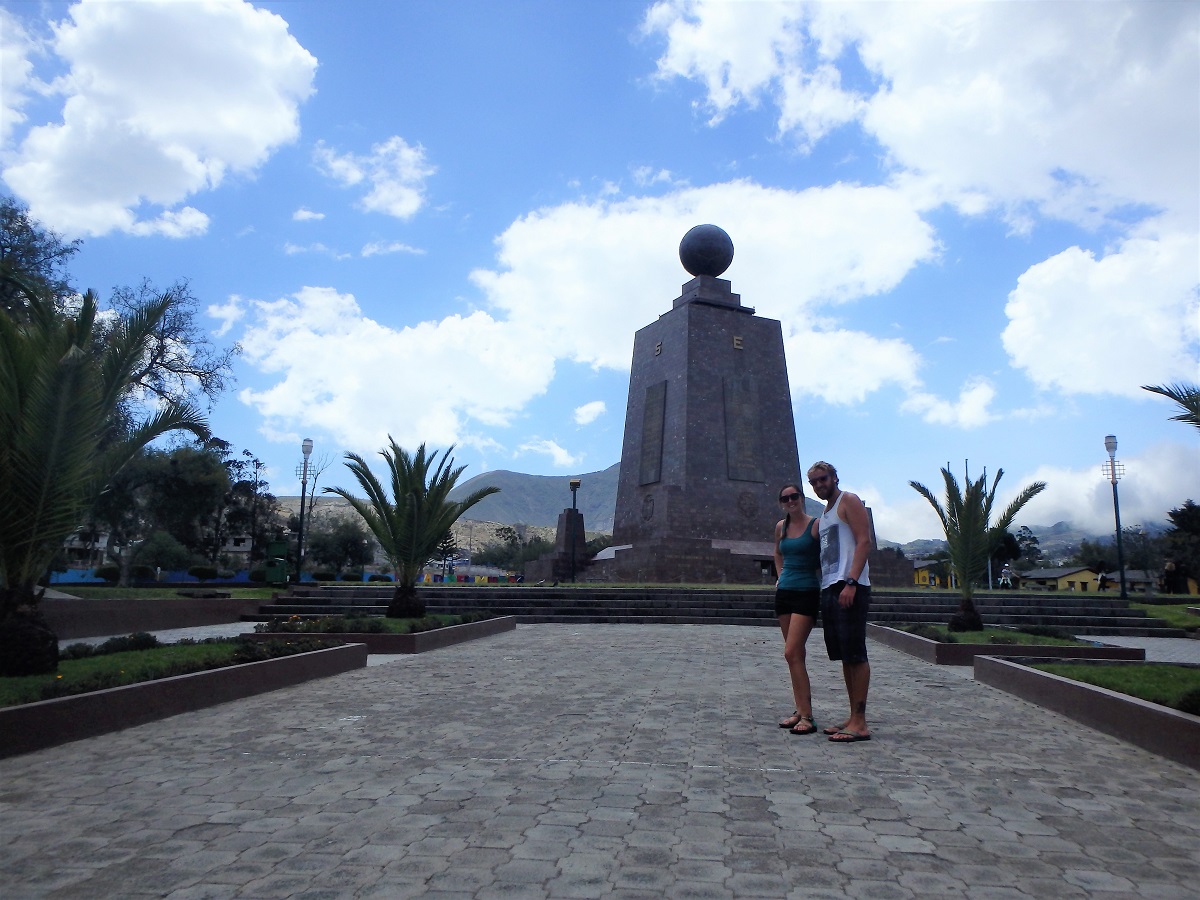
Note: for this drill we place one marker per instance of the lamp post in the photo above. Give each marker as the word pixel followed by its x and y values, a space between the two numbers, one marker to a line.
pixel 1113 471
pixel 575 482
pixel 302 471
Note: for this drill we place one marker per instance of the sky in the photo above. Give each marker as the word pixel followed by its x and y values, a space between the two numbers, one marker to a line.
pixel 979 223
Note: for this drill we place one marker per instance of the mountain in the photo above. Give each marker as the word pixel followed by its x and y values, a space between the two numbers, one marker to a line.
pixel 538 499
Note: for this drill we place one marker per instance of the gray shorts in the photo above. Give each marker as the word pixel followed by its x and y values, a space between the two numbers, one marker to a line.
pixel 845 629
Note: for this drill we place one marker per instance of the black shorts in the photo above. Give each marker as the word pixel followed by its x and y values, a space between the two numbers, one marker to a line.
pixel 798 603
pixel 845 629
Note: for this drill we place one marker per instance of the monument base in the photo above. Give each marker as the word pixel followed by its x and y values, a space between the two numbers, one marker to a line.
pixel 684 561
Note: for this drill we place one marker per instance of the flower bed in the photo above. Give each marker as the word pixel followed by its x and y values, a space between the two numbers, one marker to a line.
pixel 1159 729
pixel 944 654
pixel 419 642
pixel 36 726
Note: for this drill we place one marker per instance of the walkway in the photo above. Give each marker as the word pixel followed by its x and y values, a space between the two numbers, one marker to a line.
pixel 602 760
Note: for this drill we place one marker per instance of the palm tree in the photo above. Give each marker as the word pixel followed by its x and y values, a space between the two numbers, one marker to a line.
pixel 1186 395
pixel 65 430
pixel 413 522
pixel 971 536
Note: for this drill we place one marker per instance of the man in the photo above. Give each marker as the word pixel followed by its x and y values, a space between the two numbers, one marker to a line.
pixel 845 533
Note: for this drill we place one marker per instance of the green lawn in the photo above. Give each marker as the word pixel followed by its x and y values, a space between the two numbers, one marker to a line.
pixel 1174 614
pixel 990 636
pixel 107 592
pixel 1163 684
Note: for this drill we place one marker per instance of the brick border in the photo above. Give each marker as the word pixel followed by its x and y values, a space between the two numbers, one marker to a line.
pixel 942 654
pixel 421 642
pixel 48 723
pixel 1159 729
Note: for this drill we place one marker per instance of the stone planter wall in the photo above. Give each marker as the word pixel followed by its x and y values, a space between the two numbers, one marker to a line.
pixel 421 642
pixel 78 618
pixel 964 654
pixel 35 726
pixel 1159 729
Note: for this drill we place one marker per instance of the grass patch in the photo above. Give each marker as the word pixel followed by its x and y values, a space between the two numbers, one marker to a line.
pixel 94 673
pixel 1167 685
pixel 1174 614
pixel 999 636
pixel 166 592
pixel 366 624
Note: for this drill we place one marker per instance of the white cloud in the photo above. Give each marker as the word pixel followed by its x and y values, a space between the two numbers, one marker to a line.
pixel 646 176
pixel 348 375
pixel 16 73
pixel 988 103
pixel 307 215
pixel 575 275
pixel 570 280
pixel 382 248
pixel 394 173
pixel 1078 324
pixel 1161 478
pixel 228 314
pixel 590 412
pixel 878 362
pixel 560 457
pixel 166 99
pixel 969 411
pixel 297 249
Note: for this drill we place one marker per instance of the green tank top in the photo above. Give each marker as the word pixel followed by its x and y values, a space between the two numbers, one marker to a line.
pixel 801 561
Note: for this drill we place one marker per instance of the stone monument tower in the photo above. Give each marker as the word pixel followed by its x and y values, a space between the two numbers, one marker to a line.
pixel 709 435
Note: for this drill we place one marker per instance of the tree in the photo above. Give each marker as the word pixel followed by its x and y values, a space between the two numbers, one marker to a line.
pixel 1186 395
pixel 1030 555
pixel 1096 555
pixel 411 523
pixel 62 439
pixel 971 536
pixel 1183 541
pixel 338 542
pixel 32 259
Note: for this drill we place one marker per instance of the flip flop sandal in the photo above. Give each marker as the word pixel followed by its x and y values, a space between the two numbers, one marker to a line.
pixel 848 737
pixel 810 728
pixel 791 721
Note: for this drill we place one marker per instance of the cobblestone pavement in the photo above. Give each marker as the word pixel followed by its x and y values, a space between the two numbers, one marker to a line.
pixel 602 761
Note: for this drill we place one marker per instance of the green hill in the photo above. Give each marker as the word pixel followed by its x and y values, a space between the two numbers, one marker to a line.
pixel 538 499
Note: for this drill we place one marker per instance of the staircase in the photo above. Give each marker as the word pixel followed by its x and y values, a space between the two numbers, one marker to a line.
pixel 1075 613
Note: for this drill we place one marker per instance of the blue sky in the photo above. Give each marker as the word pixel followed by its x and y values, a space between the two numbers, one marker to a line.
pixel 979 223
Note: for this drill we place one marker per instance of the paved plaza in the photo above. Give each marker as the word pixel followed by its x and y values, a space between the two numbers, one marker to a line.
pixel 602 761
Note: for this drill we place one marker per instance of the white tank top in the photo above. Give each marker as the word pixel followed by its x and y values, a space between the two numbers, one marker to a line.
pixel 837 548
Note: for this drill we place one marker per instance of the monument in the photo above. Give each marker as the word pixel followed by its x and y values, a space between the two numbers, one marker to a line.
pixel 709 435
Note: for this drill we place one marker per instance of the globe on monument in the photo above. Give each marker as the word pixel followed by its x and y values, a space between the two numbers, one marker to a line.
pixel 706 250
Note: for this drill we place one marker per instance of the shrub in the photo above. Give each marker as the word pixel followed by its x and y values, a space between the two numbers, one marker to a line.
pixel 254 651
pixel 933 633
pixel 77 651
pixel 1190 703
pixel 142 573
pixel 111 574
pixel 324 575
pixel 259 575
pixel 378 577
pixel 139 640
pixel 204 573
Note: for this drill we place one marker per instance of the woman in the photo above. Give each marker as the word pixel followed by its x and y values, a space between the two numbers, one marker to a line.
pixel 797 598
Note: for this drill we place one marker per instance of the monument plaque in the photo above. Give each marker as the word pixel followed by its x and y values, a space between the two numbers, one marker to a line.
pixel 652 433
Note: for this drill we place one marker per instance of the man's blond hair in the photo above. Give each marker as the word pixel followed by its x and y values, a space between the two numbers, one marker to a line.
pixel 824 467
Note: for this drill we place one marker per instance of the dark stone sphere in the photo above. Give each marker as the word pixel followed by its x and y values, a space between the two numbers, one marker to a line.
pixel 706 250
